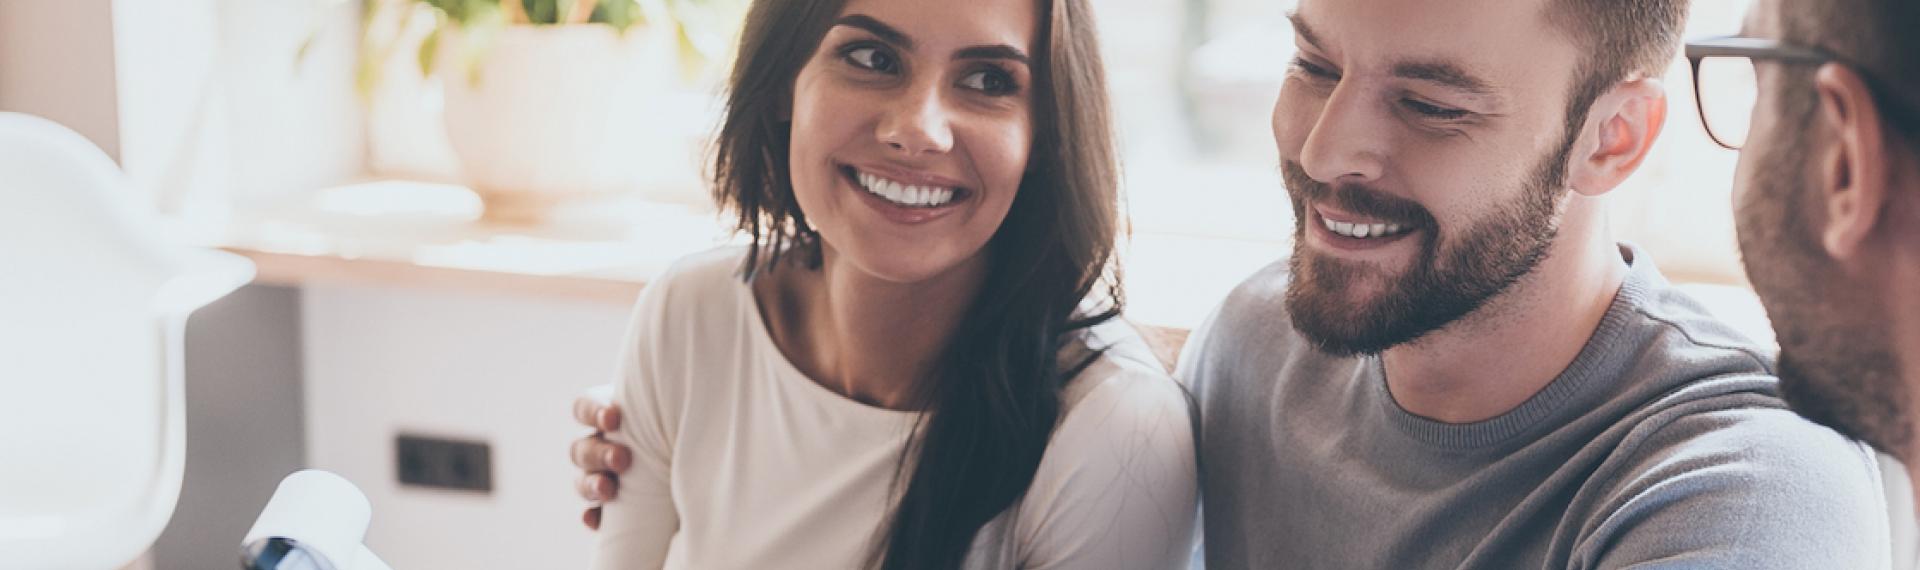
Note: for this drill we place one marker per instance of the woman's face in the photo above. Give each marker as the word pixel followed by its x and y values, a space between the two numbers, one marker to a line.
pixel 912 123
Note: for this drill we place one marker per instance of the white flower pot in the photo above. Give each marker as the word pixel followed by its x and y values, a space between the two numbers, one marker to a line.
pixel 539 115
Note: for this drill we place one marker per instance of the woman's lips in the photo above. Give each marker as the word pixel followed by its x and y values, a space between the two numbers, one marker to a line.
pixel 901 203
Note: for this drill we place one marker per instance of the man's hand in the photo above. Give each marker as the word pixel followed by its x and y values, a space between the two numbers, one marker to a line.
pixel 602 461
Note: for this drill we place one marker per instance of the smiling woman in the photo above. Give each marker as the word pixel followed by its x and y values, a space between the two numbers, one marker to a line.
pixel 903 171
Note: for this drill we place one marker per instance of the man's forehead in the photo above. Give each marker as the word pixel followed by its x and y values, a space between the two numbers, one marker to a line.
pixel 1501 42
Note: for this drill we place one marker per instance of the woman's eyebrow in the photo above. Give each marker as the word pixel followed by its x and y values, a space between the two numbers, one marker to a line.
pixel 1002 51
pixel 894 36
pixel 878 28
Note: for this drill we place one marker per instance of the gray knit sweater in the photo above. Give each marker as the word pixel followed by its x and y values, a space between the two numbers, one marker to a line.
pixel 1664 445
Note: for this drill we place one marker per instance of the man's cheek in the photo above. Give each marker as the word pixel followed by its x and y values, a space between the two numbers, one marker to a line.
pixel 1292 120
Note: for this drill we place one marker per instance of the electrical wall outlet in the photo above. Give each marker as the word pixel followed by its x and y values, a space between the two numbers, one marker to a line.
pixel 444 463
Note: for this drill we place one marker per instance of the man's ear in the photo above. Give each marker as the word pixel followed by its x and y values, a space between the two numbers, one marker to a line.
pixel 1851 176
pixel 1620 130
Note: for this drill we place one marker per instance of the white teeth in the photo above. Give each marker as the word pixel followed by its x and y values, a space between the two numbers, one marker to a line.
pixel 903 194
pixel 1362 231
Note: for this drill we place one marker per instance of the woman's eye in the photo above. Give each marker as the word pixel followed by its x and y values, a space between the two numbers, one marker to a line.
pixel 990 81
pixel 872 58
pixel 1430 110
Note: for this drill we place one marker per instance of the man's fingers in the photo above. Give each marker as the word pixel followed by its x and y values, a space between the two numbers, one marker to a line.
pixel 590 453
pixel 586 410
pixel 605 486
pixel 608 420
pixel 616 458
pixel 591 518
pixel 594 454
pixel 597 488
pixel 584 486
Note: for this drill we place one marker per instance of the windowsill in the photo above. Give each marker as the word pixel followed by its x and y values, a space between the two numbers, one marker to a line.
pixel 421 235
pixel 393 234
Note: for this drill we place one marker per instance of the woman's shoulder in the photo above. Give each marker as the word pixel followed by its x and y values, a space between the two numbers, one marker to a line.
pixel 700 280
pixel 705 270
pixel 694 304
pixel 1125 383
pixel 686 326
pixel 1117 486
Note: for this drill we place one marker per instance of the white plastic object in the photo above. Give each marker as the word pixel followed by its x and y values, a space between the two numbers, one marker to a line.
pixel 93 306
pixel 325 515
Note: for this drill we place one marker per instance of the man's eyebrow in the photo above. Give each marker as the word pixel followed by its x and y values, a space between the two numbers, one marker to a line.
pixel 1300 28
pixel 877 28
pixel 1443 73
pixel 1001 51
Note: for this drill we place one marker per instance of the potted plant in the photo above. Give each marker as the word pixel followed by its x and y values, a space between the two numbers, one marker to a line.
pixel 546 100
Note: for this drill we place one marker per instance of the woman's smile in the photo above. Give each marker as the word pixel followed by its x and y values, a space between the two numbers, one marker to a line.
pixel 904 197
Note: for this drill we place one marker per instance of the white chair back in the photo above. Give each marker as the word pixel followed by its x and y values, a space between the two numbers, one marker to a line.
pixel 93 303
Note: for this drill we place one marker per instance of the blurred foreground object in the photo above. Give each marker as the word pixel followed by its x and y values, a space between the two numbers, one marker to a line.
pixel 315 521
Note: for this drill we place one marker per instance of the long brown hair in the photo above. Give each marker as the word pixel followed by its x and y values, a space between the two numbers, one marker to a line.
pixel 995 398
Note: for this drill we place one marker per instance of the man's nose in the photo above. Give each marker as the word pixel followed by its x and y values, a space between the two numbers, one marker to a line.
pixel 1348 141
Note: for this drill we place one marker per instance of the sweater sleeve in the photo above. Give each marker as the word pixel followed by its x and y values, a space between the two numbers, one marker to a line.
pixel 639 523
pixel 1745 489
pixel 1117 487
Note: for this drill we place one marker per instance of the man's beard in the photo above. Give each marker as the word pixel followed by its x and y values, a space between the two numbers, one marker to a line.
pixel 1836 365
pixel 1450 278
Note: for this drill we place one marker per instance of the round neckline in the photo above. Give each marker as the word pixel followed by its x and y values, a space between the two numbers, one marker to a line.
pixel 1573 383
pixel 788 372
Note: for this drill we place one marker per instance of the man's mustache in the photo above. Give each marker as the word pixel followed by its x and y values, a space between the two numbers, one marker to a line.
pixel 1356 199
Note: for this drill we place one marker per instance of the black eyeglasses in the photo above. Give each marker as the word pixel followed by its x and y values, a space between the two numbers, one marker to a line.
pixel 1725 87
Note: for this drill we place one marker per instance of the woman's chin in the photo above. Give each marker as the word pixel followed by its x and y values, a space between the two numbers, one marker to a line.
pixel 905 265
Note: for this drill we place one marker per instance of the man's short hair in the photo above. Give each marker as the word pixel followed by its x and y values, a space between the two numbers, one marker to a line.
pixel 1626 38
pixel 1878 38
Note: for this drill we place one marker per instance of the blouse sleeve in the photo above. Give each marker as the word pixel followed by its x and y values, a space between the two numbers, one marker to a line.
pixel 1117 487
pixel 639 523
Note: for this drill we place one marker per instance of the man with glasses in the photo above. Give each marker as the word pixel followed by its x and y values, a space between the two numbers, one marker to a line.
pixel 1824 98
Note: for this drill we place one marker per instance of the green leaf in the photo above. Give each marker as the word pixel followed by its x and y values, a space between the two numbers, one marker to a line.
pixel 542 11
pixel 429 52
pixel 621 14
pixel 368 75
pixel 477 40
pixel 692 60
pixel 306 46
